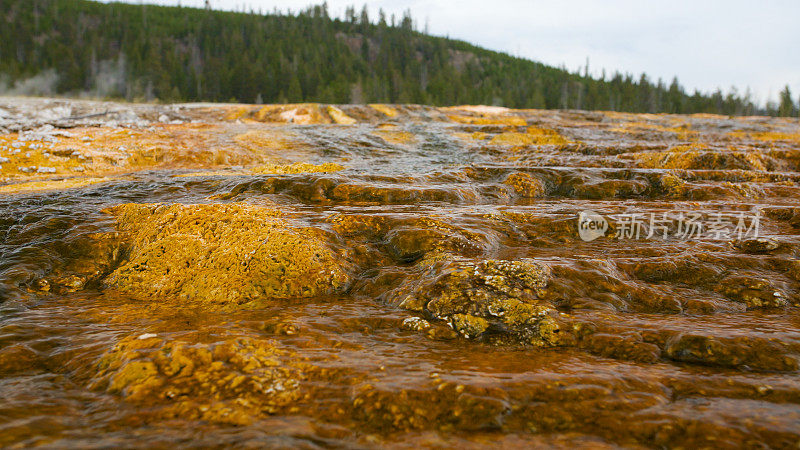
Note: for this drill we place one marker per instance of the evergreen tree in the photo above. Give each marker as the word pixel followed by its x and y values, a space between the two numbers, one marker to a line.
pixel 786 107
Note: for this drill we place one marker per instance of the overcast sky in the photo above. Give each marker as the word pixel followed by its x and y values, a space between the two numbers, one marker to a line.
pixel 706 44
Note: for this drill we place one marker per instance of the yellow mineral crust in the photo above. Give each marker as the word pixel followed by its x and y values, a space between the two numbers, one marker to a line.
pixel 303 114
pixel 222 254
pixel 387 110
pixel 767 136
pixel 31 161
pixel 338 116
pixel 212 173
pixel 681 128
pixel 526 185
pixel 102 151
pixel 488 120
pixel 49 185
pixel 355 224
pixel 396 136
pixel 270 168
pixel 236 113
pixel 233 380
pixel 532 136
pixel 483 115
pixel 297 168
pixel 474 136
pixel 699 156
pixel 673 186
pixel 266 141
pixel 297 113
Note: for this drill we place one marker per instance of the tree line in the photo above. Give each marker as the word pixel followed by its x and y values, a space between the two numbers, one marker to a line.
pixel 147 52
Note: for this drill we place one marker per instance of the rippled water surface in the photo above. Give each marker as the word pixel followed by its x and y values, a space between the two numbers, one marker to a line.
pixel 419 281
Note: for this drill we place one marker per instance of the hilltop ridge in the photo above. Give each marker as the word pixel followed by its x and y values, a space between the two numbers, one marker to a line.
pixel 147 52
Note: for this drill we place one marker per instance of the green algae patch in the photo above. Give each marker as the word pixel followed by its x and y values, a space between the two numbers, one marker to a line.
pixel 223 254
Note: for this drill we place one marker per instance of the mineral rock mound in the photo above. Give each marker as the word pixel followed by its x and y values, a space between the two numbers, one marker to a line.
pixel 233 380
pixel 489 296
pixel 223 253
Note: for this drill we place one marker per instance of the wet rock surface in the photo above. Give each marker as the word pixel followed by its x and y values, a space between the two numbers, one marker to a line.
pixel 399 275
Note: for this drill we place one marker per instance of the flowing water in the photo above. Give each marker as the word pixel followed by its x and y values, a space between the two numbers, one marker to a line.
pixel 463 307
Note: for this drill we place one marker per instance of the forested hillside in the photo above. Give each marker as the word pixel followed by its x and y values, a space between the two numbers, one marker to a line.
pixel 146 52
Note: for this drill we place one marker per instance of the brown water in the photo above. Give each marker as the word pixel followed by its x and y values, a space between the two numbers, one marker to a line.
pixel 644 342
